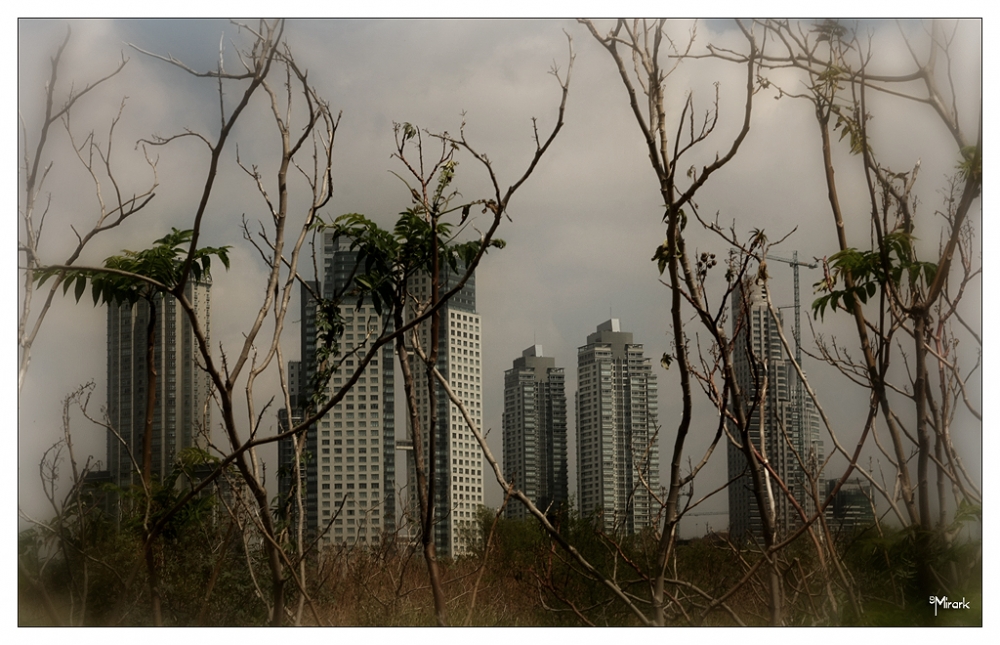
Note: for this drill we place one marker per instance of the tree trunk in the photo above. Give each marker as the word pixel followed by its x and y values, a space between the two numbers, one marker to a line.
pixel 429 545
pixel 680 354
pixel 147 459
pixel 925 538
pixel 425 501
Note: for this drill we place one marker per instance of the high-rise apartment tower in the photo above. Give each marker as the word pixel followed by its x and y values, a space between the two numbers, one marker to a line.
pixel 616 421
pixel 458 487
pixel 183 410
pixel 534 431
pixel 784 427
pixel 347 460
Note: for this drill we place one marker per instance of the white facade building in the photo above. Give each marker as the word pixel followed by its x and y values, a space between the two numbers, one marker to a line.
pixel 458 467
pixel 347 459
pixel 616 421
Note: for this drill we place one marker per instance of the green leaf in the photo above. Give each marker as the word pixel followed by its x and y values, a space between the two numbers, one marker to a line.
pixel 930 271
pixel 386 293
pixel 819 306
pixel 660 256
pixel 81 286
pixel 967 166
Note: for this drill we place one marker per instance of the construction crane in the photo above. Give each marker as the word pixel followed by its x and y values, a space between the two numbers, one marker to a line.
pixel 794 262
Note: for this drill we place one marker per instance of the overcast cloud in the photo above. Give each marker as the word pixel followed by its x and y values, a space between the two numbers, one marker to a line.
pixel 584 226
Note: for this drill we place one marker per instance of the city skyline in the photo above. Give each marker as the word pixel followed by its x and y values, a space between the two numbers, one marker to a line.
pixel 613 184
pixel 582 232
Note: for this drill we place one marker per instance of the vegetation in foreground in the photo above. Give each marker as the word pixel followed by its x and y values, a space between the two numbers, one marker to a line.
pixel 211 575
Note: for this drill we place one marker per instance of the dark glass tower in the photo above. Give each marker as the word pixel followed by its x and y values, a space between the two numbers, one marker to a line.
pixel 534 431
pixel 182 412
pixel 784 427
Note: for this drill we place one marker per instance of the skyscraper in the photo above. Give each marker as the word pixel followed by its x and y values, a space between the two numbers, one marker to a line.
pixel 459 462
pixel 784 427
pixel 534 431
pixel 182 410
pixel 616 423
pixel 347 466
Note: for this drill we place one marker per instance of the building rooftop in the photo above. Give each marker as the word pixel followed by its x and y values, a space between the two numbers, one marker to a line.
pixel 610 325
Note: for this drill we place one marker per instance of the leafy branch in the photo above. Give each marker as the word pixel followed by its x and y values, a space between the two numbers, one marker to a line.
pixel 869 273
pixel 139 274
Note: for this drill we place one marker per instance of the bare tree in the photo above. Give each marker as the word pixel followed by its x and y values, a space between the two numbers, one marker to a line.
pixel 69 531
pixel 647 44
pixel 889 289
pixel 267 50
pixel 33 171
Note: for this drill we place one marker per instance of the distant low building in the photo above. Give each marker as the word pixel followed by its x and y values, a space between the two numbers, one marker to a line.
pixel 853 506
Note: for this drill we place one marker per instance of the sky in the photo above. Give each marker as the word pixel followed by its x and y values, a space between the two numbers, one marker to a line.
pixel 583 227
